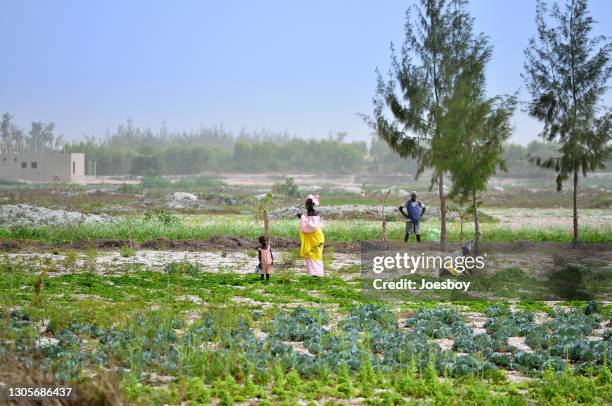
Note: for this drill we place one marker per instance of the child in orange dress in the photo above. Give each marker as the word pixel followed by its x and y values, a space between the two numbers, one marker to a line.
pixel 266 259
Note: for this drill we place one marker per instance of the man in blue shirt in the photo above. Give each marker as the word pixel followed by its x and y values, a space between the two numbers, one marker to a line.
pixel 414 210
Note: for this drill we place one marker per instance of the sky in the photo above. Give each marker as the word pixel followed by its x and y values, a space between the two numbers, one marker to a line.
pixel 307 68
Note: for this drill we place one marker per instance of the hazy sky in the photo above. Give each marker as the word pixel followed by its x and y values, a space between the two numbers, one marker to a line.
pixel 307 67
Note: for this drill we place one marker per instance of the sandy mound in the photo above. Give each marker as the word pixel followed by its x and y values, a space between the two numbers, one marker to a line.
pixel 26 215
pixel 351 211
pixel 345 211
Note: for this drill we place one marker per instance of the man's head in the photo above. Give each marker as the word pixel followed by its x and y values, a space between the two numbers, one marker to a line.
pixel 413 196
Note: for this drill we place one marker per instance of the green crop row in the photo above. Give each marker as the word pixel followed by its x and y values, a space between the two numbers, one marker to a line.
pixel 141 229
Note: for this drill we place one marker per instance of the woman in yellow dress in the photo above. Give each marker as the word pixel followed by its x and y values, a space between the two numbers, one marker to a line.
pixel 311 237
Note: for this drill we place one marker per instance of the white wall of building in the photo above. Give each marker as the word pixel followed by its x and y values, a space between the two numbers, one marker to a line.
pixel 43 167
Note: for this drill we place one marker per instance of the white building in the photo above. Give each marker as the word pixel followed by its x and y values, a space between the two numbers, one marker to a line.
pixel 52 166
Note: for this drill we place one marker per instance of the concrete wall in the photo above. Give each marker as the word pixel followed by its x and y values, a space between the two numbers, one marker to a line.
pixel 43 167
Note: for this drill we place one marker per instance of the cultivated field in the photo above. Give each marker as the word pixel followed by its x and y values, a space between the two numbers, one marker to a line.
pixel 146 295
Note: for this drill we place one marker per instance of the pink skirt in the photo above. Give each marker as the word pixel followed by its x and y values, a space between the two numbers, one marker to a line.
pixel 314 267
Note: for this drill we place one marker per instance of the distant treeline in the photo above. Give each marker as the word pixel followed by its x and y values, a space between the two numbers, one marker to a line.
pixel 250 153
pixel 135 151
pixel 138 151
pixel 245 155
pixel 40 137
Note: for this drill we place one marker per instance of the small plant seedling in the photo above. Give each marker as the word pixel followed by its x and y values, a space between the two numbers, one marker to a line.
pixel 328 256
pixel 70 259
pixel 126 251
pixel 290 258
pixel 182 268
pixel 38 286
pixel 90 258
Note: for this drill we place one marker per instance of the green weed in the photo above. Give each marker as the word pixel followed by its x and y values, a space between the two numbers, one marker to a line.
pixel 126 251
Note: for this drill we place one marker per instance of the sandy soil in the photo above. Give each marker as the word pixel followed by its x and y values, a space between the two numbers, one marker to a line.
pixel 311 181
pixel 217 261
pixel 519 343
pixel 549 218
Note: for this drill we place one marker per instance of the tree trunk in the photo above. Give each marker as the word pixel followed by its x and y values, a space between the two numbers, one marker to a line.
pixel 476 225
pixel 575 240
pixel 266 222
pixel 442 212
pixel 383 233
pixel 461 230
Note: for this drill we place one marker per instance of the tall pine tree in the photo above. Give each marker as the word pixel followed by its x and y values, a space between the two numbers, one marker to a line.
pixel 409 107
pixel 477 128
pixel 566 71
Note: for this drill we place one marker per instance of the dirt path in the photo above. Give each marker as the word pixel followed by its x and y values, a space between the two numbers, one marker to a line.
pixel 212 261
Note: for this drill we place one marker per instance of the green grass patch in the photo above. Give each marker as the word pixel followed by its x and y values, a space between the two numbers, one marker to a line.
pixel 200 227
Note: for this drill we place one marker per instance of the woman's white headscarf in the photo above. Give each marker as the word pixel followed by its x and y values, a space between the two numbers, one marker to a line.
pixel 314 198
